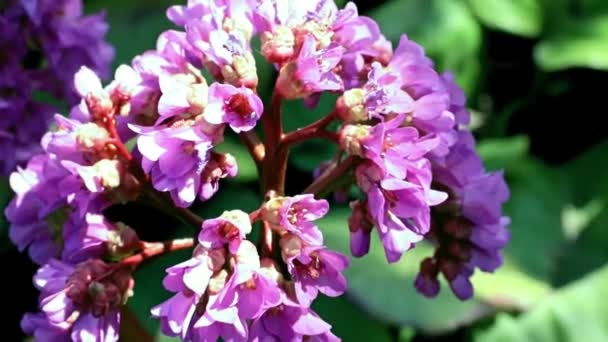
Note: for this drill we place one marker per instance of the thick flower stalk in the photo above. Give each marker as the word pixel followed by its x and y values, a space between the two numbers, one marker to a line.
pixel 42 44
pixel 401 140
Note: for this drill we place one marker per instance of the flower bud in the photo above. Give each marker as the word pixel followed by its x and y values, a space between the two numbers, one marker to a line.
pixel 217 282
pixel 108 172
pixel 351 137
pixel 89 135
pixel 351 106
pixel 278 46
pixel 242 72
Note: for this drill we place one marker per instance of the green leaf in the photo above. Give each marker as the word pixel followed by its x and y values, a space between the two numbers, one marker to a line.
pixel 576 42
pixel 586 174
pixel 445 28
pixel 535 209
pixel 135 31
pixel 387 291
pixel 503 153
pixel 575 313
pixel 247 169
pixel 348 322
pixel 520 17
pixel 589 251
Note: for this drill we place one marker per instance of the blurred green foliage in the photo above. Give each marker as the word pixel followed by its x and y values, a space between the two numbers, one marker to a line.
pixel 547 289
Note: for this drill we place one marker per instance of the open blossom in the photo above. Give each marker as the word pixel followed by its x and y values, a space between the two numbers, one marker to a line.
pixel 230 228
pixel 311 72
pixel 296 215
pixel 314 270
pixel 175 159
pixel 240 108
pixel 290 322
pixel 37 212
pixel 400 208
pixel 78 302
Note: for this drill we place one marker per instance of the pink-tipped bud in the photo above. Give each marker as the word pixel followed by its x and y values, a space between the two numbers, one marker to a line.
pixel 351 107
pixel 351 137
pixel 278 46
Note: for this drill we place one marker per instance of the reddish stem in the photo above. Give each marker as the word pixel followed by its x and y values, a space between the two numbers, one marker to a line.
pixel 316 129
pixel 275 161
pixel 255 146
pixel 110 125
pixel 267 236
pixel 152 249
pixel 255 215
pixel 330 176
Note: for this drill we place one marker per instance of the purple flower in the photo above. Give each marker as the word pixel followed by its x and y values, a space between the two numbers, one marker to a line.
pixel 218 167
pixel 95 237
pixel 360 225
pixel 189 280
pixel 354 32
pixel 221 36
pixel 400 208
pixel 37 212
pixel 390 146
pixel 212 301
pixel 80 301
pixel 296 215
pixel 240 108
pixel 230 228
pixel 290 322
pixel 470 222
pixel 314 270
pixel 311 72
pixel 175 158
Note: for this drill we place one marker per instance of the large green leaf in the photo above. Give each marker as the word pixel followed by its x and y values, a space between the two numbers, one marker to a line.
pixel 445 28
pixel 503 153
pixel 576 42
pixel 586 219
pixel 521 17
pixel 575 313
pixel 535 208
pixel 387 291
pixel 586 174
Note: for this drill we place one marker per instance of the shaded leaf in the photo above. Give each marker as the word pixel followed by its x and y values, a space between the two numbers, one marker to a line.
pixel 576 42
pixel 520 17
pixel 575 313
pixel 502 153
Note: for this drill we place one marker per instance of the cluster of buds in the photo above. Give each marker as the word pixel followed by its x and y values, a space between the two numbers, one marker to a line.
pixel 401 141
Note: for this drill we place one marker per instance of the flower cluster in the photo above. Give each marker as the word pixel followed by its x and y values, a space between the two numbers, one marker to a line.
pixel 401 141
pixel 43 44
